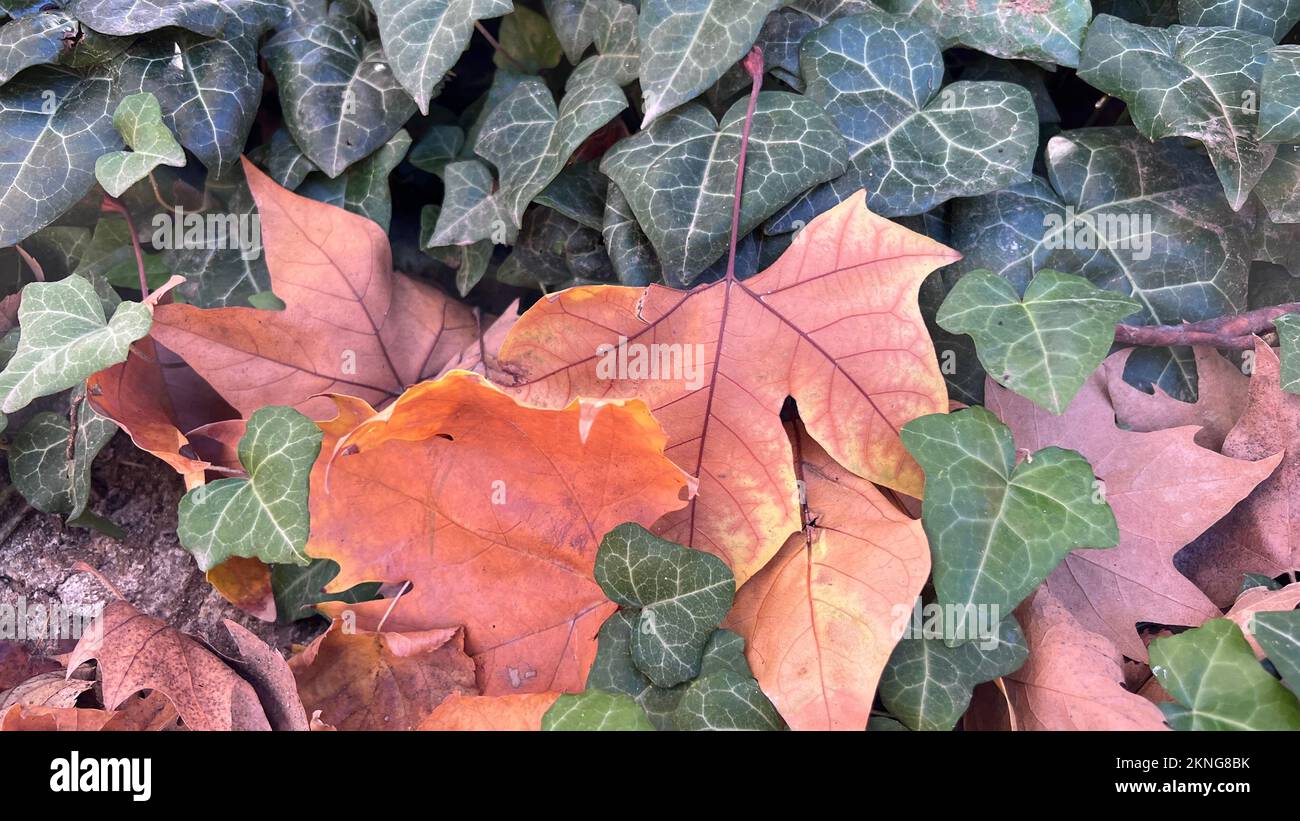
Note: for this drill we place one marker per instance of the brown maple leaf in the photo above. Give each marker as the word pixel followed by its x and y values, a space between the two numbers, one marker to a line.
pixel 1262 534
pixel 350 324
pixel 1148 479
pixel 137 652
pixel 1072 681
pixel 1220 399
pixel 834 323
pixel 818 619
pixel 366 680
pixel 494 512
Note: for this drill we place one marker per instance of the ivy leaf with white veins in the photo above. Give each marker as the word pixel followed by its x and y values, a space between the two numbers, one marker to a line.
pixel 679 175
pixel 529 140
pixel 363 188
pixel 1279 189
pixel 341 101
pixel 1045 345
pixel 43 38
pixel 64 339
pixel 912 145
pixel 682 595
pixel 1218 684
pixel 1050 31
pixel 1187 82
pixel 1271 18
pixel 39 465
pixel 1279 96
pixel 211 18
pixel 1278 634
pixel 998 529
pixel 56 125
pixel 927 684
pixel 686 45
pixel 1139 218
pixel 209 90
pixel 264 516
pixel 596 710
pixel 726 700
pixel 1288 334
pixel 424 38
pixel 139 120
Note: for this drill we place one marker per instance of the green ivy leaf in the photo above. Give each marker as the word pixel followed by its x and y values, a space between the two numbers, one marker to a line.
pixel 1279 188
pixel 139 120
pixel 1217 683
pixel 363 188
pixel 1279 96
pixel 554 252
pixel 283 160
pixel 1288 333
pixel 1187 82
pixel 64 339
pixel 424 38
pixel 682 596
pixel 264 516
pixel 1050 32
pixel 1278 634
pixel 998 529
pixel 528 140
pixel 912 144
pixel 927 684
pixel 726 700
pixel 618 44
pixel 529 40
pixel 297 589
pixel 1271 18
pixel 596 710
pixel 679 174
pixel 340 97
pixel 40 39
pixel 209 90
pixel 1044 346
pixel 630 252
pixel 56 124
pixel 578 192
pixel 1135 217
pixel 39 465
pixel 469 261
pixel 686 45
pixel 440 145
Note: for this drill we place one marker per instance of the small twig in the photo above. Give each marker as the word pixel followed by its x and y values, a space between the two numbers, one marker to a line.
pixel 81 567
pixel 380 627
pixel 496 45
pixel 74 413
pixel 753 64
pixel 37 270
pixel 112 204
pixel 1234 331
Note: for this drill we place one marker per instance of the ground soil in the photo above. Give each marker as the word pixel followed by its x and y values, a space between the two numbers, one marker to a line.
pixel 138 493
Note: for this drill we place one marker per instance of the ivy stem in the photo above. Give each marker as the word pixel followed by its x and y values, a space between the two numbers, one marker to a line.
pixel 37 270
pixel 1234 331
pixel 496 45
pixel 112 204
pixel 753 64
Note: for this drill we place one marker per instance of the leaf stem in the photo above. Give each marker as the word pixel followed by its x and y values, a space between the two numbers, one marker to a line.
pixel 1233 331
pixel 37 270
pixel 496 45
pixel 115 205
pixel 753 64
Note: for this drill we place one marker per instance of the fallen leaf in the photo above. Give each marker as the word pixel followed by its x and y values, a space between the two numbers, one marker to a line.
pixel 52 689
pixel 818 619
pixel 1073 679
pixel 511 712
pixel 381 681
pixel 1261 600
pixel 486 504
pixel 1262 534
pixel 28 718
pixel 350 324
pixel 245 583
pixel 833 323
pixel 1220 399
pixel 137 652
pixel 270 675
pixel 1147 479
pixel 596 710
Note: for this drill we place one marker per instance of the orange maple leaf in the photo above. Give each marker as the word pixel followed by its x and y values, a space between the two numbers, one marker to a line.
pixel 819 620
pixel 834 323
pixel 494 512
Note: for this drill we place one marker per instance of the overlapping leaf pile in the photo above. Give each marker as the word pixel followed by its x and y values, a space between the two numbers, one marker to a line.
pixel 892 365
